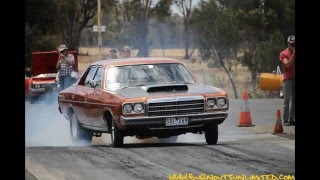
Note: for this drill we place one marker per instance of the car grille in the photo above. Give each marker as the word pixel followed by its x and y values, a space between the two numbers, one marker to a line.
pixel 49 85
pixel 175 107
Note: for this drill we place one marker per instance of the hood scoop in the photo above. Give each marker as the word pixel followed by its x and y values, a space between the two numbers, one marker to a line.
pixel 166 88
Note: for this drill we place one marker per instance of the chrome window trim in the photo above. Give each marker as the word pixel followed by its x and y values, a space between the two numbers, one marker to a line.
pixel 82 102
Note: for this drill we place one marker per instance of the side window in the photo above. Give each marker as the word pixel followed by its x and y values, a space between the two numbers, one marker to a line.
pixel 90 75
pixel 98 77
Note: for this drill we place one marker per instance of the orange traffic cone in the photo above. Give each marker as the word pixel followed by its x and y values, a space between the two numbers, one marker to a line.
pixel 245 116
pixel 278 127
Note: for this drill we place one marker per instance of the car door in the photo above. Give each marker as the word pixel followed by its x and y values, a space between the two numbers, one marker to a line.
pixel 80 105
pixel 94 112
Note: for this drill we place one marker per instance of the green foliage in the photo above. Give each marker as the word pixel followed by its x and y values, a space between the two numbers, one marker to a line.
pixel 265 28
pixel 40 28
pixel 132 22
pixel 49 23
pixel 218 34
pixel 216 29
pixel 36 41
pixel 257 28
pixel 41 15
pixel 162 10
pixel 265 57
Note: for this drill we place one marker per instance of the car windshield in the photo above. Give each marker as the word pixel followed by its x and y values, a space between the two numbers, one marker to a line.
pixel 147 74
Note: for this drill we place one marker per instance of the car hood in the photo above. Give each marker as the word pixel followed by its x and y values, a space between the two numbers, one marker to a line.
pixel 49 75
pixel 45 62
pixel 158 90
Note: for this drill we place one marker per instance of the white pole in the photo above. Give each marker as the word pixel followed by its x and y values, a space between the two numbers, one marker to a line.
pixel 99 28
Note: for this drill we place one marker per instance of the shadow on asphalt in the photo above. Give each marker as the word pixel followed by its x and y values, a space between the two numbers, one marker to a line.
pixel 146 145
pixel 150 145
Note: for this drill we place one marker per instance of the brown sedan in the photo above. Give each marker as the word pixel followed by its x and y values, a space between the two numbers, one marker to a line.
pixel 142 97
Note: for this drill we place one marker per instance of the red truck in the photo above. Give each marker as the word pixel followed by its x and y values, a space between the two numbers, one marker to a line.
pixel 43 83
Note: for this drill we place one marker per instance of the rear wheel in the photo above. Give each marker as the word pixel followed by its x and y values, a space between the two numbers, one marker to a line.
pixel 78 134
pixel 212 134
pixel 116 135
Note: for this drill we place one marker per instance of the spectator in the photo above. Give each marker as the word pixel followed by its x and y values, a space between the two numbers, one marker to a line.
pixel 126 52
pixel 287 58
pixel 65 67
pixel 113 54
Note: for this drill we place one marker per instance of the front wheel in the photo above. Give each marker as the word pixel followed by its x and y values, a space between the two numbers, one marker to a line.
pixel 211 134
pixel 78 134
pixel 116 135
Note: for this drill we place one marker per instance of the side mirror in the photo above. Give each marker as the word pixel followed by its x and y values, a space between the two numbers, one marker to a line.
pixel 94 83
pixel 274 72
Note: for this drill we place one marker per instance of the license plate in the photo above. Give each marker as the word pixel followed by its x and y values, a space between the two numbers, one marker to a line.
pixel 177 121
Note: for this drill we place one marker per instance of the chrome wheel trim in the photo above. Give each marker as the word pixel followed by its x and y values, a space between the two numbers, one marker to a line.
pixel 74 124
pixel 112 132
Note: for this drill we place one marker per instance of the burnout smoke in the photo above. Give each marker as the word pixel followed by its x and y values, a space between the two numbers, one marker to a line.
pixel 44 125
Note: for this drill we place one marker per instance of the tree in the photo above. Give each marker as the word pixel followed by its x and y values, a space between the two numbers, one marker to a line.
pixel 136 14
pixel 185 7
pixel 40 29
pixel 217 33
pixel 284 16
pixel 263 26
pixel 74 16
pixel 265 56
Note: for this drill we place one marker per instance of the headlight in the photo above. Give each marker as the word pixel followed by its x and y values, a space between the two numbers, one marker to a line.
pixel 138 107
pixel 211 103
pixel 221 102
pixel 127 108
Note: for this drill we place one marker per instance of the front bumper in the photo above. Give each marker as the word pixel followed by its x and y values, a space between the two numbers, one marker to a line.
pixel 160 121
pixel 43 90
pixel 37 92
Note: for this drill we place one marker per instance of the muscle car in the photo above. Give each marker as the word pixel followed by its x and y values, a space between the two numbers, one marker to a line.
pixel 43 82
pixel 142 97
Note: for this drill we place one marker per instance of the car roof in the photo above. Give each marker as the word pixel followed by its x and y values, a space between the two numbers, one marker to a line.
pixel 135 60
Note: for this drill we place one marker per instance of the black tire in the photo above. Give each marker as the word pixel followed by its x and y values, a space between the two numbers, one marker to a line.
pixel 211 134
pixel 171 139
pixel 79 134
pixel 116 135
